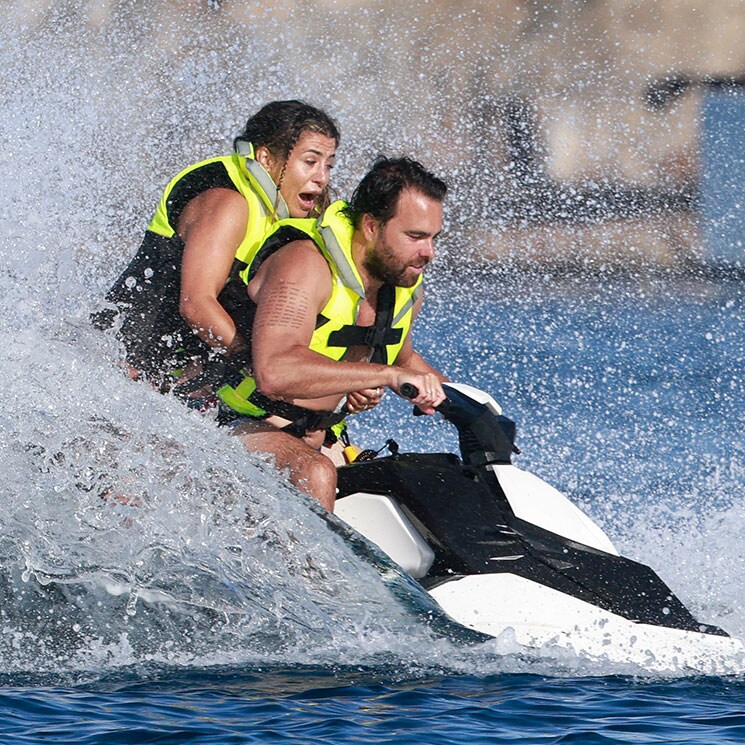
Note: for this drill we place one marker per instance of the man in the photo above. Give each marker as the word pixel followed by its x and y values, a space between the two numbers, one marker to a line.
pixel 334 303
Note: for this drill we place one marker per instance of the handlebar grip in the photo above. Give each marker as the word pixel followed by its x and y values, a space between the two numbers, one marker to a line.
pixel 408 390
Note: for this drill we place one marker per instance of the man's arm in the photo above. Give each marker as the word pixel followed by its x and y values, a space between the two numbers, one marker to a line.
pixel 290 289
pixel 417 363
pixel 412 361
pixel 408 358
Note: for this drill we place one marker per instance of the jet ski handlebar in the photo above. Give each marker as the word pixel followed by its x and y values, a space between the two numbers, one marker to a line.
pixel 485 436
pixel 409 390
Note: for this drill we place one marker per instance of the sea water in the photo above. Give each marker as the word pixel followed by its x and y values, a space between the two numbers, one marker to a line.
pixel 159 584
pixel 220 609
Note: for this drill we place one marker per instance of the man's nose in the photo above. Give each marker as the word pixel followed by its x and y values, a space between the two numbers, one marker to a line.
pixel 427 249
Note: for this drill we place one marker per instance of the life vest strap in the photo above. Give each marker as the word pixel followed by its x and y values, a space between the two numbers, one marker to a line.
pixel 246 400
pixel 366 336
pixel 300 417
pixel 376 337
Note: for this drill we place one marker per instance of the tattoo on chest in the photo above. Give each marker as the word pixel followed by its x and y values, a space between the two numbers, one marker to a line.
pixel 285 306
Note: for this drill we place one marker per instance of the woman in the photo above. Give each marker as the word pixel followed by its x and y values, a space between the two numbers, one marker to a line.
pixel 180 300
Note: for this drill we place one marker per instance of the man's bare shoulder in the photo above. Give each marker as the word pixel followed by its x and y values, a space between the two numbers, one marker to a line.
pixel 299 265
pixel 299 258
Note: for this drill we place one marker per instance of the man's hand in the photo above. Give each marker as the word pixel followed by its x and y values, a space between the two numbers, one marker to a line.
pixel 429 390
pixel 364 400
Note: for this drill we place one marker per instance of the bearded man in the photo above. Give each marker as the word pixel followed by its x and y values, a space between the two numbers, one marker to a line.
pixel 334 300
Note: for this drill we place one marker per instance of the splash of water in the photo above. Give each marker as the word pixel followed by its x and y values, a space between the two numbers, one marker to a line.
pixel 133 531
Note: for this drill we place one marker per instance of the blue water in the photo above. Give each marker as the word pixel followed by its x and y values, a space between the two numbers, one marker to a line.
pixel 218 607
pixel 322 706
pixel 628 394
pixel 315 706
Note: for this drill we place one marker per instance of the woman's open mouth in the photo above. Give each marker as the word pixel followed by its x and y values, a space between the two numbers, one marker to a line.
pixel 307 200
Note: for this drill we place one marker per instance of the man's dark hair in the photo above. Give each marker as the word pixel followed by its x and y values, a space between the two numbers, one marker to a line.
pixel 379 191
pixel 279 124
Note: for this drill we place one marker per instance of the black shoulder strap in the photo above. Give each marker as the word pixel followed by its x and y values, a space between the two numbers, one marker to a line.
pixel 376 337
pixel 281 237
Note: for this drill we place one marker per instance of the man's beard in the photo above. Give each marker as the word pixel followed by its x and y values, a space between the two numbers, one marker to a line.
pixel 381 264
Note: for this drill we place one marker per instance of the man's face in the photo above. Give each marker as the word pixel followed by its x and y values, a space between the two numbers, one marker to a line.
pixel 399 250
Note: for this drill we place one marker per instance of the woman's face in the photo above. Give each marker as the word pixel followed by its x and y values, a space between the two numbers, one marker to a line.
pixel 306 174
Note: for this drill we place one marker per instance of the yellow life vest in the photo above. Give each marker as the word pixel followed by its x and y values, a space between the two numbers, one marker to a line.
pixel 158 340
pixel 265 205
pixel 336 328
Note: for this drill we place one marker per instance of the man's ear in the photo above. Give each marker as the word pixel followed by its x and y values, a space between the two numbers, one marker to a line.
pixel 369 226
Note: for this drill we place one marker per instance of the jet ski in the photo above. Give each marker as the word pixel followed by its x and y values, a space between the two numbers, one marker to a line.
pixel 506 555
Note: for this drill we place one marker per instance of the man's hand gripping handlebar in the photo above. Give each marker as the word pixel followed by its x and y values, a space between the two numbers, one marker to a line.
pixel 427 397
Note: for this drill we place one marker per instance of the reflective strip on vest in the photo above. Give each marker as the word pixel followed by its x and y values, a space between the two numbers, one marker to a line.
pixel 274 201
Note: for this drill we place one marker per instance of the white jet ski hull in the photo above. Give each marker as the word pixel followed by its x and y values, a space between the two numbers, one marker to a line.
pixel 531 615
pixel 507 555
